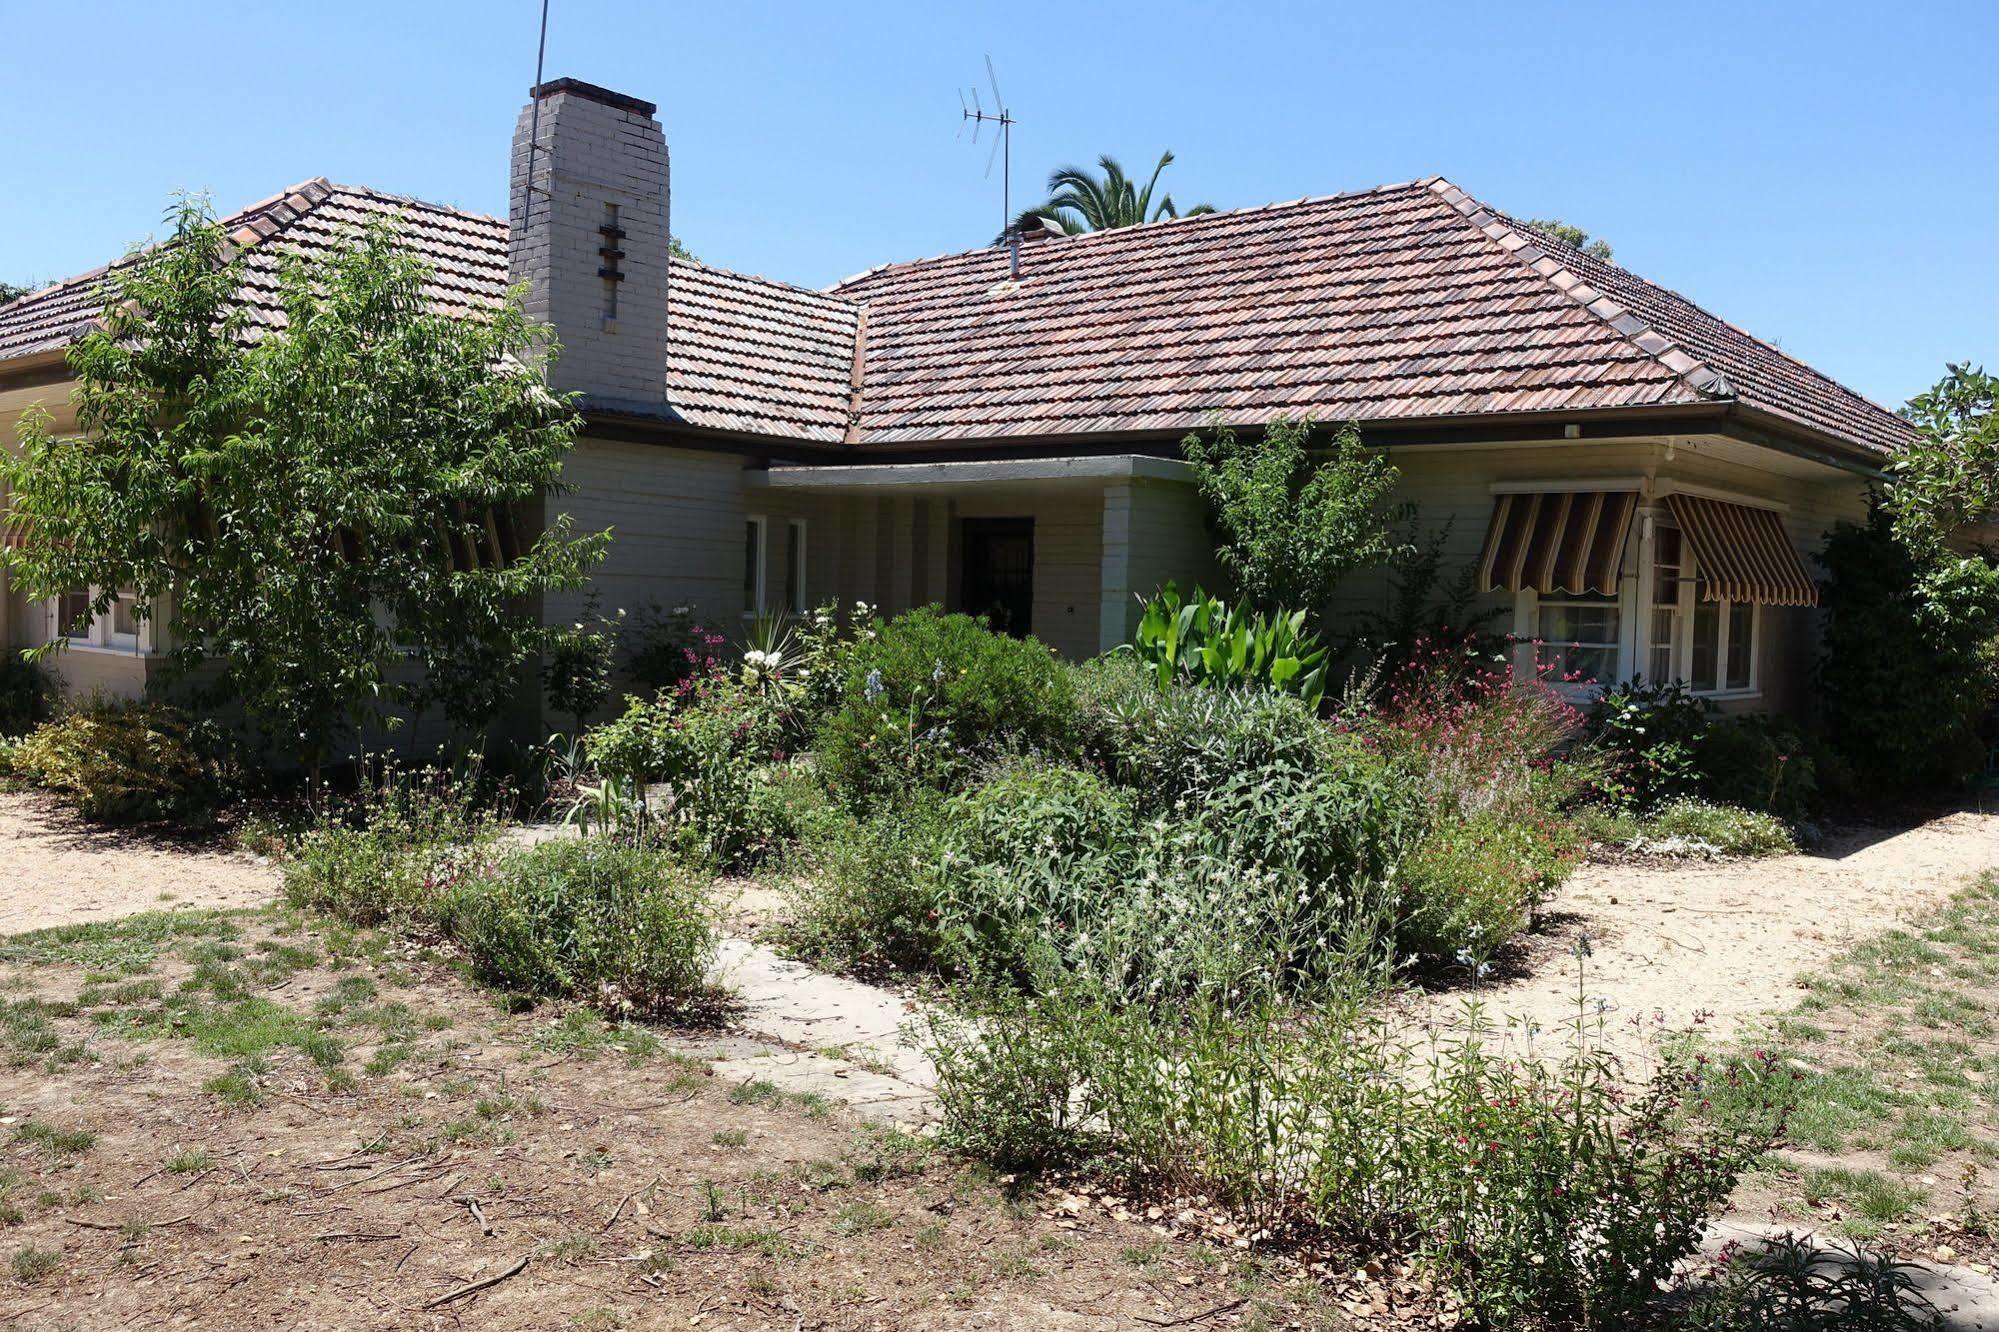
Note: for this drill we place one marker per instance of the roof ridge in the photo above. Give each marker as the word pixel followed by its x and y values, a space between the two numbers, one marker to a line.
pixel 1763 342
pixel 1112 233
pixel 391 196
pixel 314 190
pixel 1536 253
pixel 846 302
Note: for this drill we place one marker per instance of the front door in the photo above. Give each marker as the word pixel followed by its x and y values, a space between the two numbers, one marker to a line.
pixel 999 572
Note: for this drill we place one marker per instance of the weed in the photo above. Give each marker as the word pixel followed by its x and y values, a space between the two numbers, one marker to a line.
pixel 31 1264
pixel 189 1161
pixel 861 1217
pixel 57 1142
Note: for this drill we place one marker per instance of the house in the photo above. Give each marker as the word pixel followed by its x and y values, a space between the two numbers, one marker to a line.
pixel 1636 479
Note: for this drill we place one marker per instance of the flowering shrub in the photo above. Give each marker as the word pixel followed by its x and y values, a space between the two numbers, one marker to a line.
pixel 1475 881
pixel 390 852
pixel 929 696
pixel 1479 731
pixel 709 747
pixel 663 648
pixel 1649 734
pixel 864 896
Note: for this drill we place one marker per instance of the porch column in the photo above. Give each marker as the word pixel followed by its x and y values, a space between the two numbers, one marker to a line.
pixel 1115 593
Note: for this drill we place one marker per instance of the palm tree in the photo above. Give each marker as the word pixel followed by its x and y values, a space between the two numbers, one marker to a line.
pixel 1079 201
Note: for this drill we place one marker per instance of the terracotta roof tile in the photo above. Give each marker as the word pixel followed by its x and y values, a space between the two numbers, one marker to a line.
pixel 1404 303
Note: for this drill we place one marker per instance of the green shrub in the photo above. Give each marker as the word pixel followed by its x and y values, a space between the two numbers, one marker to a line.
pixel 1757 762
pixel 929 697
pixel 864 892
pixel 1279 873
pixel 623 927
pixel 1886 608
pixel 1210 642
pixel 132 762
pixel 1174 746
pixel 1801 1283
pixel 1474 883
pixel 26 693
pixel 1649 733
pixel 711 746
pixel 390 853
pixel 1542 1193
pixel 1698 827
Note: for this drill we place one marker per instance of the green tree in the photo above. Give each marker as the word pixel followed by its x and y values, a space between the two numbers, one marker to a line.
pixel 1080 201
pixel 10 292
pixel 1572 236
pixel 315 511
pixel 1948 477
pixel 1292 519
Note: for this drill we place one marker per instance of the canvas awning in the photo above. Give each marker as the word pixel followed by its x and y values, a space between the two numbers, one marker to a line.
pixel 1741 553
pixel 1557 541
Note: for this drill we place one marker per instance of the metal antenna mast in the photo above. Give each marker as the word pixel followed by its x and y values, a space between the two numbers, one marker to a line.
pixel 976 114
pixel 534 115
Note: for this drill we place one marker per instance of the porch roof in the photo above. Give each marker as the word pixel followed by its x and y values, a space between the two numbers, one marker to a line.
pixel 882 478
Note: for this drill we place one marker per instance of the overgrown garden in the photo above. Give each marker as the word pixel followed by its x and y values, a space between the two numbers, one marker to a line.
pixel 1152 897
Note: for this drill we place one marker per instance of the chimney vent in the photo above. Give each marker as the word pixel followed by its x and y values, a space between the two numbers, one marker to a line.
pixel 588 235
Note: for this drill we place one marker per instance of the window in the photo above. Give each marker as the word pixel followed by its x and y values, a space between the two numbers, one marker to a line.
pixel 73 619
pixel 1724 648
pixel 124 628
pixel 121 628
pixel 753 566
pixel 1709 645
pixel 1579 637
pixel 1667 571
pixel 794 566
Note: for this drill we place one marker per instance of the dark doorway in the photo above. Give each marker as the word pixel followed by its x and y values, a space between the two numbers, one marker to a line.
pixel 999 572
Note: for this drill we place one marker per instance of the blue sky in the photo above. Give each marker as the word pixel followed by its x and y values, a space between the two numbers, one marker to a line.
pixel 1819 173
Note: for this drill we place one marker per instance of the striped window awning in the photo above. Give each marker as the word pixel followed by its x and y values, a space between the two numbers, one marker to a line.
pixel 1741 553
pixel 1557 541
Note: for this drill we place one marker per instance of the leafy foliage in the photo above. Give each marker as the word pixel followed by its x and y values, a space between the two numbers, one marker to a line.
pixel 1080 201
pixel 389 853
pixel 132 762
pixel 1949 477
pixel 1797 1283
pixel 295 498
pixel 26 693
pixel 712 748
pixel 664 648
pixel 1540 1191
pixel 926 697
pixel 1573 236
pixel 1888 608
pixel 627 928
pixel 1291 522
pixel 1474 882
pixel 1216 644
pixel 577 664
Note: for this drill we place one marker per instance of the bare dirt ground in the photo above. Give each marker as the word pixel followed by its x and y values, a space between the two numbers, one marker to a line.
pixel 56 869
pixel 256 1125
pixel 1673 943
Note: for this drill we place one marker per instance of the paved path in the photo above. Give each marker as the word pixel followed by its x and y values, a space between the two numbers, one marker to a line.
pixel 1968 1300
pixel 834 1036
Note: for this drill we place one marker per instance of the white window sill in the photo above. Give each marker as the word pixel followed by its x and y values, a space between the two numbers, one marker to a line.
pixel 105 649
pixel 1726 695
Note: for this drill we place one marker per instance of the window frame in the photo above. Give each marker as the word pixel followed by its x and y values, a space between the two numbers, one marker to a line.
pixel 101 634
pixel 1615 644
pixel 757 579
pixel 1686 606
pixel 797 560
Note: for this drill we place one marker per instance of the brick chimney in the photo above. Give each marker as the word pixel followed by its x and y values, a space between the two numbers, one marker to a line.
pixel 588 234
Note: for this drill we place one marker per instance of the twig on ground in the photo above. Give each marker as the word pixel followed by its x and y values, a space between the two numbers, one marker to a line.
pixel 331 1235
pixel 478 1213
pixel 120 1225
pixel 474 1287
pixel 1219 1309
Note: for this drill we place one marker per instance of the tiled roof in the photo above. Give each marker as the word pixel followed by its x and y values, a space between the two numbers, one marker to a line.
pixel 748 354
pixel 1407 303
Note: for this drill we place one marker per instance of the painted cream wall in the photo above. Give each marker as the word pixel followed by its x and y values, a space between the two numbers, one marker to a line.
pixel 1454 486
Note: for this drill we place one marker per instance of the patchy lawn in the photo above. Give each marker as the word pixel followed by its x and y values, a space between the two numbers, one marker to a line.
pixel 253 1121
pixel 1896 1135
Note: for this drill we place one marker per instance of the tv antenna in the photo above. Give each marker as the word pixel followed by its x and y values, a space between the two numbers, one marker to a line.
pixel 534 115
pixel 975 114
